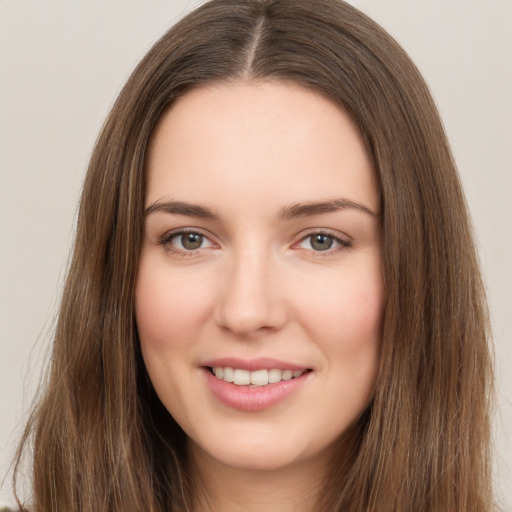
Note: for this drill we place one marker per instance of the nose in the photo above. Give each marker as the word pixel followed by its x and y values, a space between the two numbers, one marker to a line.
pixel 251 299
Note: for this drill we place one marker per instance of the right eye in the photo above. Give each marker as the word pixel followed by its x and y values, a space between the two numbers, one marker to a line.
pixel 186 242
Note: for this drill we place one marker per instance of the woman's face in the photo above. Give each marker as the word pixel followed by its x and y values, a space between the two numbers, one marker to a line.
pixel 261 263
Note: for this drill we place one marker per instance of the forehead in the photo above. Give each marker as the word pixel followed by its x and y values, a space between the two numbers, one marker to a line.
pixel 274 141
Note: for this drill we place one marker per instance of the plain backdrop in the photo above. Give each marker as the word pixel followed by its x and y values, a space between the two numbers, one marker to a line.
pixel 62 63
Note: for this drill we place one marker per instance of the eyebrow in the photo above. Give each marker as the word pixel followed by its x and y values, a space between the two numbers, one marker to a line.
pixel 317 208
pixel 182 208
pixel 306 209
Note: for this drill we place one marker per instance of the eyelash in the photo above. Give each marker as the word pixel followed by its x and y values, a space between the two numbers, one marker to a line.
pixel 342 244
pixel 166 239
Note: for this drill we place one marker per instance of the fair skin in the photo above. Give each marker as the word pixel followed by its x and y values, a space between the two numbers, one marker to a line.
pixel 261 253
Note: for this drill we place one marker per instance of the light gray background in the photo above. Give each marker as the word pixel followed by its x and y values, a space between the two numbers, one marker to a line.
pixel 62 63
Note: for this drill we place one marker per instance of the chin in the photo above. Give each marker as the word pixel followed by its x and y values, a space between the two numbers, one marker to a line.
pixel 259 453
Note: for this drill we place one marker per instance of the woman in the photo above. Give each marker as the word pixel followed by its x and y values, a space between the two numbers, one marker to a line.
pixel 274 300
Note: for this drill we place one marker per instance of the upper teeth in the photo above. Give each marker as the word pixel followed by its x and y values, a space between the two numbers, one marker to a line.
pixel 257 378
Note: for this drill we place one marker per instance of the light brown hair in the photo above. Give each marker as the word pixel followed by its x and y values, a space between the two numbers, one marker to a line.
pixel 101 439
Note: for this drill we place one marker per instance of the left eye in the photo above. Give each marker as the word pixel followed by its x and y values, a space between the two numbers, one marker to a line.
pixel 189 241
pixel 321 242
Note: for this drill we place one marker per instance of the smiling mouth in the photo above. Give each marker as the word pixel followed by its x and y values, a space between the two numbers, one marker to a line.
pixel 241 377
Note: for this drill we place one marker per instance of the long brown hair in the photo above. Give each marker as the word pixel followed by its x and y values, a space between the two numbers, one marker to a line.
pixel 101 439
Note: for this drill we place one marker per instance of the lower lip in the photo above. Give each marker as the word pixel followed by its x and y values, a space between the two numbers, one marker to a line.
pixel 253 398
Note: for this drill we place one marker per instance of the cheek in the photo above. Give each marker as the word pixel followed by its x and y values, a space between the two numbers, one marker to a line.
pixel 344 317
pixel 169 307
pixel 169 310
pixel 345 309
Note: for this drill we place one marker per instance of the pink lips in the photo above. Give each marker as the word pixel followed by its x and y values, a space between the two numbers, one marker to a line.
pixel 249 398
pixel 252 365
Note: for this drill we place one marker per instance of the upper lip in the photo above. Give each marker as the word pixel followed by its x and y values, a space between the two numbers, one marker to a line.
pixel 261 363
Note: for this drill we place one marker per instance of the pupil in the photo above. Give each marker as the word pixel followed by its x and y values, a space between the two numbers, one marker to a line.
pixel 191 241
pixel 321 242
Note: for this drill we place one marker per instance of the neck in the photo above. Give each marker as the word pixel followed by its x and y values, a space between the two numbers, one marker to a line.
pixel 221 488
